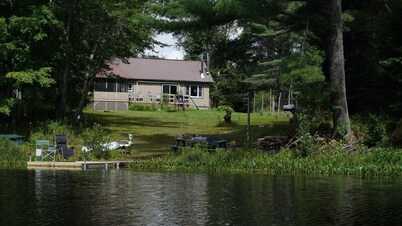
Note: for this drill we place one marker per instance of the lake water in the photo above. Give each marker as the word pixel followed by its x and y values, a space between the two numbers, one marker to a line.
pixel 125 197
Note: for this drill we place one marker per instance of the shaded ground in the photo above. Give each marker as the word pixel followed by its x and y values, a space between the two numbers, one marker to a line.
pixel 155 131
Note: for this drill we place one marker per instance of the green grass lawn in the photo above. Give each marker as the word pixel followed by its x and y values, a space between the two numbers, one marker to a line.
pixel 156 131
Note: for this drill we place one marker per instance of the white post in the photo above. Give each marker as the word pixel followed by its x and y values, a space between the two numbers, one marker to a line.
pixel 262 102
pixel 279 101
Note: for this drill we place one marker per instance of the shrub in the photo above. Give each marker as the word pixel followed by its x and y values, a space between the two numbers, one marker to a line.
pixel 307 142
pixel 376 134
pixel 94 138
pixel 385 156
pixel 10 154
pixel 225 108
pixel 48 129
pixel 143 107
pixel 168 108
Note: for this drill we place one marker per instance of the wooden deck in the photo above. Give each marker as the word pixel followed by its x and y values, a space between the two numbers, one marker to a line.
pixel 76 165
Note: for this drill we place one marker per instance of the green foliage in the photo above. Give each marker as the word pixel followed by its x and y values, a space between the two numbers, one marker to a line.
pixel 335 162
pixel 371 130
pixel 67 43
pixel 6 105
pixel 46 130
pixel 41 76
pixel 169 108
pixel 94 138
pixel 376 132
pixel 307 143
pixel 225 108
pixel 385 157
pixel 10 154
pixel 143 107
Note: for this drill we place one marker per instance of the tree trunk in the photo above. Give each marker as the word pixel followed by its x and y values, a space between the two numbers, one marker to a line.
pixel 89 79
pixel 85 89
pixel 61 113
pixel 337 73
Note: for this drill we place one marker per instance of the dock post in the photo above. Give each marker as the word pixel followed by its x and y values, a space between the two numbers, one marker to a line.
pixel 85 161
pixel 117 165
pixel 106 165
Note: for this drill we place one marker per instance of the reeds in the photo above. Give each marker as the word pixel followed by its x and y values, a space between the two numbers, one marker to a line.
pixel 11 155
pixel 377 162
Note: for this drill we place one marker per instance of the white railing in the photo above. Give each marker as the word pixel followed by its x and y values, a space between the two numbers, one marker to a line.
pixel 183 101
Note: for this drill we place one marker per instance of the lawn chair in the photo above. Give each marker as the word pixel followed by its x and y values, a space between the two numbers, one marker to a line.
pixel 45 150
pixel 62 146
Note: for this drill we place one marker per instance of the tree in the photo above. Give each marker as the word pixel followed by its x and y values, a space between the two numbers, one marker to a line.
pixel 108 30
pixel 337 71
pixel 23 51
pixel 51 51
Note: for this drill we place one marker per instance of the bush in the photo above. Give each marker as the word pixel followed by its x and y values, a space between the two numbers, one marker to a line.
pixel 169 108
pixel 10 154
pixel 385 156
pixel 225 108
pixel 376 134
pixel 48 129
pixel 143 107
pixel 94 138
pixel 307 142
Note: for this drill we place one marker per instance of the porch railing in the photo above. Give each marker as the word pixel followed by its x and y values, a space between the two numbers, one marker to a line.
pixel 174 99
pixel 179 100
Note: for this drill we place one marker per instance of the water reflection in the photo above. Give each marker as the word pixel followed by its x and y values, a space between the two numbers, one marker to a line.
pixel 123 197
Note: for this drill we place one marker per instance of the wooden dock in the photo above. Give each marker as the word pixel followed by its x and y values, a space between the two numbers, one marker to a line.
pixel 76 164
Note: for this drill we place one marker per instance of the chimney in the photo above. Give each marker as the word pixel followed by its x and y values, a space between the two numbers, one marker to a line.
pixel 202 69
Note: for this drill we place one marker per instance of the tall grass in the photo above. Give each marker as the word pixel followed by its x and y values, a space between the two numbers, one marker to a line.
pixel 377 162
pixel 11 155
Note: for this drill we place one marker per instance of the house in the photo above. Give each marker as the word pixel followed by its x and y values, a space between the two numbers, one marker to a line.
pixel 181 83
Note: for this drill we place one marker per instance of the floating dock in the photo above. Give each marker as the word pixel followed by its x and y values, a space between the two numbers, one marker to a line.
pixel 76 164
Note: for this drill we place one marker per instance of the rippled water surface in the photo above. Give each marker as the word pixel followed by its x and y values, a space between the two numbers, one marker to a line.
pixel 124 197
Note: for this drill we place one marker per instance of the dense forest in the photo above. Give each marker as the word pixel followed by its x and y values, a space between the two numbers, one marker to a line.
pixel 337 59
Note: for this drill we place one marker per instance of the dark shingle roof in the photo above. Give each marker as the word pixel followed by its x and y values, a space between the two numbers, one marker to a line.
pixel 160 69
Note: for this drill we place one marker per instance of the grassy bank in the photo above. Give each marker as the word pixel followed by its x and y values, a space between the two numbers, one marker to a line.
pixel 156 131
pixel 11 155
pixel 378 162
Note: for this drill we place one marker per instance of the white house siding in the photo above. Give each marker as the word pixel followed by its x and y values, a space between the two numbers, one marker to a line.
pixel 110 96
pixel 145 92
pixel 202 103
pixel 110 101
pixel 148 87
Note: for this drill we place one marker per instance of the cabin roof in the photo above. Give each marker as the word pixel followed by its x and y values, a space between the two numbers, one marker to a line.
pixel 160 69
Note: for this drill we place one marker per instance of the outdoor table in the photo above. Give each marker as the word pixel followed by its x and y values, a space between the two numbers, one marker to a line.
pixel 210 143
pixel 15 138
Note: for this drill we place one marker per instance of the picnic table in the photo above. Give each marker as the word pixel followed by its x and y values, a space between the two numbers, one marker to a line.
pixel 15 138
pixel 206 143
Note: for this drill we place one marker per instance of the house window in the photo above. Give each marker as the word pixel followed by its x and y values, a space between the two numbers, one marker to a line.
pixel 169 89
pixel 130 87
pixel 194 91
pixel 111 85
pixel 121 87
pixel 100 85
